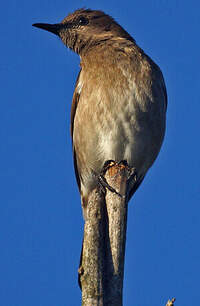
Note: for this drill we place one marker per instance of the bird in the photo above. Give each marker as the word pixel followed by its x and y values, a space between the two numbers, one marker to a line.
pixel 119 104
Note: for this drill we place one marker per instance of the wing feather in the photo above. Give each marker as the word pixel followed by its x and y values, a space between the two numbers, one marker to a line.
pixel 75 100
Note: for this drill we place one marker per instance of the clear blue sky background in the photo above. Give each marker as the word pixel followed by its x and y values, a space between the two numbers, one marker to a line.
pixel 41 224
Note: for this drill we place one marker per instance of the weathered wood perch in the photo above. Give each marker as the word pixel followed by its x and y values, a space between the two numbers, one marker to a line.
pixel 171 302
pixel 102 267
pixel 103 252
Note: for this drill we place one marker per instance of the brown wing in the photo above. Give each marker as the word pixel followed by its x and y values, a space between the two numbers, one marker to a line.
pixel 164 90
pixel 75 101
pixel 159 76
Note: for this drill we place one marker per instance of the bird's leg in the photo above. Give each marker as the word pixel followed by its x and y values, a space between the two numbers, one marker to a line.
pixel 101 179
pixel 108 164
pixel 104 184
pixel 132 171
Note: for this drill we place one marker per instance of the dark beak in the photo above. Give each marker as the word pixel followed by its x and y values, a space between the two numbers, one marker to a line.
pixel 53 28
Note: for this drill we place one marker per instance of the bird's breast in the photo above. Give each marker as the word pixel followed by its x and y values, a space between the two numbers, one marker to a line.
pixel 116 120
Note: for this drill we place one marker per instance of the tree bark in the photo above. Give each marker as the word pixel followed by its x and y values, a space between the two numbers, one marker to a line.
pixel 117 209
pixel 102 267
pixel 92 264
pixel 102 260
pixel 171 302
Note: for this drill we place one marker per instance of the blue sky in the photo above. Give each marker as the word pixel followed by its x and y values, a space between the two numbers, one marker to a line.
pixel 41 222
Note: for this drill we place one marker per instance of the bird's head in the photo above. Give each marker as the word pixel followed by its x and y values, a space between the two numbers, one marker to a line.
pixel 86 28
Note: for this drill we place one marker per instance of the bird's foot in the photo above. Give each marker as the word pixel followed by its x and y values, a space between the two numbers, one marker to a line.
pixel 104 184
pixel 132 175
pixel 108 164
pixel 131 170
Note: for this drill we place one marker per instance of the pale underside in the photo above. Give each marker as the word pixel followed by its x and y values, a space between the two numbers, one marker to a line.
pixel 116 120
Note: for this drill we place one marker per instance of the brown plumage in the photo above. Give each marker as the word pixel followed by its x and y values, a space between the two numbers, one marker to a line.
pixel 119 103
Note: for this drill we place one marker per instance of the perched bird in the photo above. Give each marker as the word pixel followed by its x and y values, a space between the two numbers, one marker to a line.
pixel 119 103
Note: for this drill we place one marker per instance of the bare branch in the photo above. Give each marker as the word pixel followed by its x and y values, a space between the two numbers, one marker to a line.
pixel 117 207
pixel 103 252
pixel 92 266
pixel 171 303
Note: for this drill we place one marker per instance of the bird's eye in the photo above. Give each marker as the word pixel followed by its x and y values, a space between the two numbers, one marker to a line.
pixel 82 21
